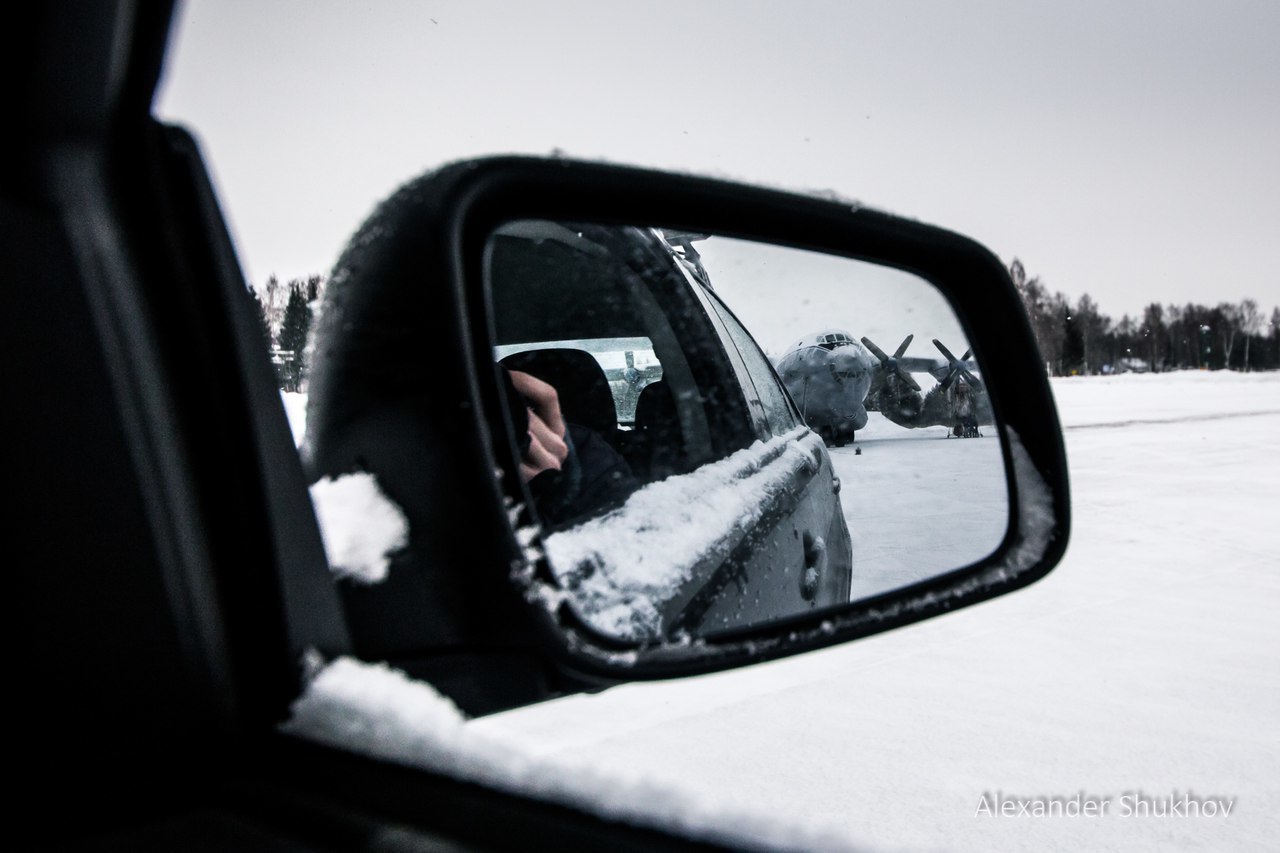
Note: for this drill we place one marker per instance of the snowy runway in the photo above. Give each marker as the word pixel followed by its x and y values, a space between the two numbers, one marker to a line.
pixel 918 503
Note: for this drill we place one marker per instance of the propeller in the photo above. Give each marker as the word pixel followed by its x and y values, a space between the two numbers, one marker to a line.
pixel 957 367
pixel 889 366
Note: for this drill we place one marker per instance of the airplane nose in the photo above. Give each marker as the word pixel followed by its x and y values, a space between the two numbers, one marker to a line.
pixel 845 363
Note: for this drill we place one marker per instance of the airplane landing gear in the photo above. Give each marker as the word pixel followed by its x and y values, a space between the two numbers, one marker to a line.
pixel 967 428
pixel 835 436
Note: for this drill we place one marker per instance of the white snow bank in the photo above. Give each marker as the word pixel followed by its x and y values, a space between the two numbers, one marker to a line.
pixel 379 712
pixel 623 567
pixel 1116 401
pixel 360 526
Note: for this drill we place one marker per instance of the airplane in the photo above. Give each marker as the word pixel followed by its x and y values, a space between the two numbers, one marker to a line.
pixel 835 380
pixel 829 375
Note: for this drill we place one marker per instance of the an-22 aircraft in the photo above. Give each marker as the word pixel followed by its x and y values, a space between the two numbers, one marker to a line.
pixel 835 380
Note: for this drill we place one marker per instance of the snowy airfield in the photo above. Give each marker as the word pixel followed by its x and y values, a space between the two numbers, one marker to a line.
pixel 919 503
pixel 1144 671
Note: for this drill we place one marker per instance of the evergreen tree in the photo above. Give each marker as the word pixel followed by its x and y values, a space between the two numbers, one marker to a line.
pixel 1155 335
pixel 1275 336
pixel 260 313
pixel 294 328
pixel 1072 361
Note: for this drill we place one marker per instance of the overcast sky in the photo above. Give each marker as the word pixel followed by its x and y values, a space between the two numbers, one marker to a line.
pixel 1123 149
pixel 784 295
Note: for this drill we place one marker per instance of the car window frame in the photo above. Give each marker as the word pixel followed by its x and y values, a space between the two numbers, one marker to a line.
pixel 767 376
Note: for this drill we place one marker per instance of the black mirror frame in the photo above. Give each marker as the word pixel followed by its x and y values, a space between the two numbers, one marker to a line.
pixel 468 200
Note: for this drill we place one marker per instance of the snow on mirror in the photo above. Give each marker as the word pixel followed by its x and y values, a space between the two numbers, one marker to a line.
pixel 717 433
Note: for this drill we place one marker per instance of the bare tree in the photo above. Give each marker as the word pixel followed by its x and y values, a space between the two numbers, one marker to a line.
pixel 1250 325
pixel 1229 329
pixel 273 298
pixel 1048 315
pixel 1093 326
pixel 1018 273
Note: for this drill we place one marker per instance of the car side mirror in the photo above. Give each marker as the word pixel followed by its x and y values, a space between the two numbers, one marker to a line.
pixel 729 465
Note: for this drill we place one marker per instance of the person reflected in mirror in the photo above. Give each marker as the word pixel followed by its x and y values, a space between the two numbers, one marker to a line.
pixel 570 470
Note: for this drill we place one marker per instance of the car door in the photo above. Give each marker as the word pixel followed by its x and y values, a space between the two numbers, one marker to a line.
pixel 779 565
pixel 817 522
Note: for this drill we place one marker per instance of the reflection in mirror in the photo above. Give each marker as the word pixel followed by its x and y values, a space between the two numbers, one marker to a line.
pixel 716 433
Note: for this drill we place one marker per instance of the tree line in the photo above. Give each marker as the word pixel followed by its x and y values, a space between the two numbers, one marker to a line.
pixel 1077 338
pixel 286 312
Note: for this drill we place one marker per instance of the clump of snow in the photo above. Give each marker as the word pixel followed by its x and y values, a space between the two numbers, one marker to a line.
pixel 360 526
pixel 623 567
pixel 829 194
pixel 377 711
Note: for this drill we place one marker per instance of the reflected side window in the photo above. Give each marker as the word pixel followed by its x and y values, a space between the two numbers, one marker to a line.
pixel 602 316
pixel 777 409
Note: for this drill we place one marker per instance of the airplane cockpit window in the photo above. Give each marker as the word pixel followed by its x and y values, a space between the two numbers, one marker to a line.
pixel 833 340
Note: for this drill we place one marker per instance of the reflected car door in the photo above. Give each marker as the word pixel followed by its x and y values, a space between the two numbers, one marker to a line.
pixel 767 525
pixel 798 556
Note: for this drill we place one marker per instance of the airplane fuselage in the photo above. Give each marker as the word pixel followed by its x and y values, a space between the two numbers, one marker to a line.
pixel 835 380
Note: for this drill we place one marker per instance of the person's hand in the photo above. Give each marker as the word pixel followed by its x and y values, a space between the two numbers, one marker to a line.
pixel 547 446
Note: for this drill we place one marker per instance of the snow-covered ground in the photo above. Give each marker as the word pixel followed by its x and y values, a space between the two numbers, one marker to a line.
pixel 1145 671
pixel 918 503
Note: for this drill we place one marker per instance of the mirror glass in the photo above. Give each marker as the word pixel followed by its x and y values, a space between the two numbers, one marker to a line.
pixel 716 433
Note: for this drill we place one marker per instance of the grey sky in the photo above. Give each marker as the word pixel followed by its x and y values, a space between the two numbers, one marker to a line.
pixel 1124 149
pixel 783 295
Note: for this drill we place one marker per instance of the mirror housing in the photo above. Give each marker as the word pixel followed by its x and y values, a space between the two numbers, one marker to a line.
pixel 403 386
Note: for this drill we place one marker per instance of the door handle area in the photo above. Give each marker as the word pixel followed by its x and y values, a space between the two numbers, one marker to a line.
pixel 815 563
